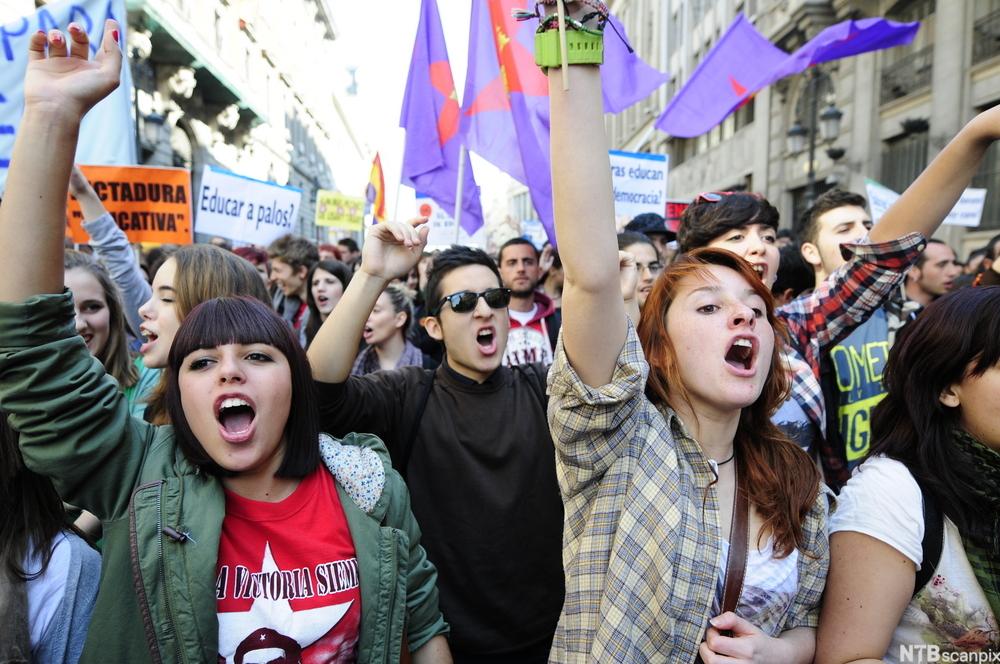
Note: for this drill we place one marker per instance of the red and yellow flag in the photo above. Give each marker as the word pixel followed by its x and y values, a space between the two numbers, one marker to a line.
pixel 375 192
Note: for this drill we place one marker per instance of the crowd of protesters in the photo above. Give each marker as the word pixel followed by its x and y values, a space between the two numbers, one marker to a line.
pixel 716 442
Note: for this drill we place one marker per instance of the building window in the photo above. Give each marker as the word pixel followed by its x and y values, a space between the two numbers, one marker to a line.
pixel 903 159
pixel 986 30
pixel 907 69
pixel 744 115
pixel 803 108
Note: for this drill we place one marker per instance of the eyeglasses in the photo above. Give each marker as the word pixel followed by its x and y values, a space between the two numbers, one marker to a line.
pixel 465 301
pixel 716 196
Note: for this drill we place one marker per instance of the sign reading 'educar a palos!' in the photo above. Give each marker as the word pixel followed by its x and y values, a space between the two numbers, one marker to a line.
pixel 149 204
pixel 243 209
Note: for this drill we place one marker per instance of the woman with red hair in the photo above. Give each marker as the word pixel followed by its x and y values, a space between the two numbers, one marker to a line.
pixel 694 528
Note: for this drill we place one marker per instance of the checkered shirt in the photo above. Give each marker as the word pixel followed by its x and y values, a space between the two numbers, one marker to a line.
pixel 818 321
pixel 641 542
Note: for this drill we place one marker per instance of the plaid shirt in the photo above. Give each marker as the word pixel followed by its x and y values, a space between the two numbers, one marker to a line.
pixel 641 543
pixel 817 321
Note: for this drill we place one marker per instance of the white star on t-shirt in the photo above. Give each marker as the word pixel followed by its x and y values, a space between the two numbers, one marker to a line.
pixel 306 626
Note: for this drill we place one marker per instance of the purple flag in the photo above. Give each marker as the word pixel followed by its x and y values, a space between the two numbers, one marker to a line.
pixel 845 39
pixel 726 78
pixel 505 112
pixel 431 118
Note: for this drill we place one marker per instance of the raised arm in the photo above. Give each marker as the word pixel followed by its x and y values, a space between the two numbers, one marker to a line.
pixel 594 324
pixel 59 89
pixel 926 202
pixel 111 245
pixel 390 251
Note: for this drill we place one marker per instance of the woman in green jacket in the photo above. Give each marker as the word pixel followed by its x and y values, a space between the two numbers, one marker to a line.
pixel 231 534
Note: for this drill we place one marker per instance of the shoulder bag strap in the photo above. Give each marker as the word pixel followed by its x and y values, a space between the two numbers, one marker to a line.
pixel 411 438
pixel 739 538
pixel 932 542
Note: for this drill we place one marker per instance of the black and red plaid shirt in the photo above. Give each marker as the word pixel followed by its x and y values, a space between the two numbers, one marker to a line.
pixel 817 321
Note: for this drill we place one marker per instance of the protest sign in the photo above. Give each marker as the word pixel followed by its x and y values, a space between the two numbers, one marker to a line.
pixel 339 211
pixel 640 182
pixel 243 209
pixel 106 135
pixel 443 227
pixel 672 213
pixel 967 212
pixel 149 204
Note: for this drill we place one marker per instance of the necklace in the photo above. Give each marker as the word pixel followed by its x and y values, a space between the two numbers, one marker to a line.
pixel 723 463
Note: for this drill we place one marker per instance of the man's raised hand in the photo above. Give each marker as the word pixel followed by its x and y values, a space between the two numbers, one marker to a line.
pixel 392 248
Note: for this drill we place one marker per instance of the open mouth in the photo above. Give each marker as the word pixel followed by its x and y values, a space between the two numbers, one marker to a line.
pixel 236 417
pixel 322 299
pixel 740 354
pixel 487 340
pixel 760 269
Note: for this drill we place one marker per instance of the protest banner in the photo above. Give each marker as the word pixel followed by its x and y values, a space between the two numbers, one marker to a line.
pixel 672 213
pixel 443 227
pixel 336 210
pixel 968 212
pixel 243 209
pixel 106 135
pixel 639 181
pixel 149 204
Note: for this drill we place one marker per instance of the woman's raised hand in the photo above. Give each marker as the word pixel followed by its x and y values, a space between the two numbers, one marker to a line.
pixel 62 77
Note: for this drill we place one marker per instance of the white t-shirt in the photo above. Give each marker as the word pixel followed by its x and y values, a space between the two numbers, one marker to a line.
pixel 769 584
pixel 45 592
pixel 883 501
pixel 523 317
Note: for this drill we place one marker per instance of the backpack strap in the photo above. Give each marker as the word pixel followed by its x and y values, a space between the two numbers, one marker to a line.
pixel 932 542
pixel 406 451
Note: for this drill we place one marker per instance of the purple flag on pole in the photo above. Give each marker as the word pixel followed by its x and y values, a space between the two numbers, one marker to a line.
pixel 431 116
pixel 505 112
pixel 845 39
pixel 726 78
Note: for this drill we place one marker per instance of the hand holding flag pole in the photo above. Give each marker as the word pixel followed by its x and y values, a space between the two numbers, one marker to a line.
pixel 563 49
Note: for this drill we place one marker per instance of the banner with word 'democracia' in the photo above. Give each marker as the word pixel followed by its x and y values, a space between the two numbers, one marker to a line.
pixel 640 182
pixel 150 204
pixel 106 135
pixel 336 210
pixel 243 209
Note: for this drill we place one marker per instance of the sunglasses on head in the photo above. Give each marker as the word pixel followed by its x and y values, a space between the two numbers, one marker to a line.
pixel 716 196
pixel 465 301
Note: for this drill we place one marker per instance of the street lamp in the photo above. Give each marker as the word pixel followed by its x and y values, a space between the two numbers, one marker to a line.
pixel 826 125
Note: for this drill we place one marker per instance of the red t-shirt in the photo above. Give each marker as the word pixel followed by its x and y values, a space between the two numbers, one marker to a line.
pixel 287 584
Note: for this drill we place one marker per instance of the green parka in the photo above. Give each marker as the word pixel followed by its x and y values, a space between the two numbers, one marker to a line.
pixel 163 516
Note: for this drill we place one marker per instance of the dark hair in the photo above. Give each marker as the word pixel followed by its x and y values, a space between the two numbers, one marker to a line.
pixel 254 255
pixel 793 272
pixel 244 320
pixel 351 245
pixel 514 241
pixel 784 233
pixel 830 200
pixel 294 250
pixel 115 356
pixel 32 514
pixel 628 238
pixel 922 257
pixel 702 222
pixel 994 247
pixel 783 481
pixel 401 299
pixel 956 336
pixel 205 272
pixel 337 269
pixel 157 256
pixel 452 258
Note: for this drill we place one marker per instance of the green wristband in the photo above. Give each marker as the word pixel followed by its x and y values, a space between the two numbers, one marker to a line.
pixel 582 48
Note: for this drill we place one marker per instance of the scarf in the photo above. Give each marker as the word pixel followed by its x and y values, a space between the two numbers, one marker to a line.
pixel 367 360
pixel 984 552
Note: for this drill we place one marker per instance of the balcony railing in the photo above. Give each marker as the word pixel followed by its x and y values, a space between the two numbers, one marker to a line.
pixel 986 37
pixel 908 75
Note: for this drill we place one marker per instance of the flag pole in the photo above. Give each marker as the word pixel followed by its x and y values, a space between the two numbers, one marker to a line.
pixel 458 192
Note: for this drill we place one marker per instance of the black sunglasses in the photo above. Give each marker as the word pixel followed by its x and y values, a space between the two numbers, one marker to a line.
pixel 465 301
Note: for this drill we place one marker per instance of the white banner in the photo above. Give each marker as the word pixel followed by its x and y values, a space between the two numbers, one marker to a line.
pixel 967 212
pixel 107 136
pixel 640 183
pixel 243 209
pixel 443 227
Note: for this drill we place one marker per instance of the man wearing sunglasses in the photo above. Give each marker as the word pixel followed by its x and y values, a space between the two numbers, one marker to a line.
pixel 471 439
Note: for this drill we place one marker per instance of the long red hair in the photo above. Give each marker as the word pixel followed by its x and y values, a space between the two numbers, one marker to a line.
pixel 782 480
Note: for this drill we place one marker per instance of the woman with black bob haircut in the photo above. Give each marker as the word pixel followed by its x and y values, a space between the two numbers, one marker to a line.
pixel 225 538
pixel 915 549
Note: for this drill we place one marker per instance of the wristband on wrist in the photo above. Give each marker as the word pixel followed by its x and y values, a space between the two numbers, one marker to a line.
pixel 582 48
